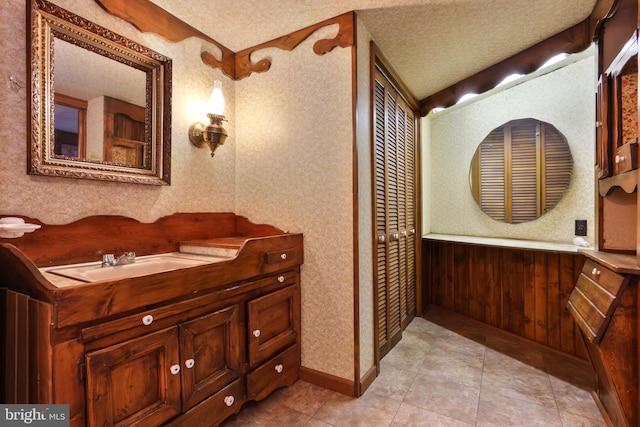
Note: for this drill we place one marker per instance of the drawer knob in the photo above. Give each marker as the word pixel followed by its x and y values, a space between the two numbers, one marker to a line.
pixel 595 271
pixel 279 368
pixel 147 320
pixel 189 363
pixel 281 279
pixel 256 333
pixel 619 158
pixel 229 400
pixel 175 369
pixel 283 256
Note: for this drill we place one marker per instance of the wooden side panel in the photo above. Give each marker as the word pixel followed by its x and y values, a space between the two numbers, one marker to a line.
pixel 16 347
pixel 524 292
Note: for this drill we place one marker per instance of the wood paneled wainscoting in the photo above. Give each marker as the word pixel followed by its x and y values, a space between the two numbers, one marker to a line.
pixel 520 290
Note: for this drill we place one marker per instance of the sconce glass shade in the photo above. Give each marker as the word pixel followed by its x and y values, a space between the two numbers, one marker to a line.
pixel 212 134
pixel 216 100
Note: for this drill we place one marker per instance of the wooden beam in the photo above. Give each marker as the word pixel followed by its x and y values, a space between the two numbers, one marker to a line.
pixel 151 18
pixel 572 40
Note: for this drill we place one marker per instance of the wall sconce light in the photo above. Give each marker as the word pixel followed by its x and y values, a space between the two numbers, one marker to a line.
pixel 212 134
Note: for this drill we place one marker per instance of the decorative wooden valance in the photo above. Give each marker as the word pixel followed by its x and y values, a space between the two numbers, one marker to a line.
pixel 151 18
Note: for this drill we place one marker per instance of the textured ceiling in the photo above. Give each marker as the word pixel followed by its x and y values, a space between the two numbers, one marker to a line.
pixel 431 44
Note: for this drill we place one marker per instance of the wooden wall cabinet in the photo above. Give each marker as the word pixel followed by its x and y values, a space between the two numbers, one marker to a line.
pixel 604 302
pixel 616 151
pixel 182 348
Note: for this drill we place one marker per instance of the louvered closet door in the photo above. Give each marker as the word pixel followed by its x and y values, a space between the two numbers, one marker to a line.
pixel 394 145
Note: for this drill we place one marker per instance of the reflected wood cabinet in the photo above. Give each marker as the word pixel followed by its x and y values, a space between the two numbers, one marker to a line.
pixel 186 347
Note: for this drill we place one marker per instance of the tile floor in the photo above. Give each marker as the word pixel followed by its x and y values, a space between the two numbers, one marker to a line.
pixel 447 371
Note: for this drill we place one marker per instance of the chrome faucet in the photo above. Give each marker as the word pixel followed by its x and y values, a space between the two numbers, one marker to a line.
pixel 109 260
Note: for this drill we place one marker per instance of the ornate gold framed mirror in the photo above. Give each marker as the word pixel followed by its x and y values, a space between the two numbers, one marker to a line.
pixel 100 104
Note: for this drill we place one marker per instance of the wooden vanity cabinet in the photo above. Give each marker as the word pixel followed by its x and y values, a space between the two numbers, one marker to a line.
pixel 150 379
pixel 274 352
pixel 181 348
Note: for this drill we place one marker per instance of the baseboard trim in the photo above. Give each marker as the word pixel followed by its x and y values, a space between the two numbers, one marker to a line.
pixel 331 382
pixel 367 380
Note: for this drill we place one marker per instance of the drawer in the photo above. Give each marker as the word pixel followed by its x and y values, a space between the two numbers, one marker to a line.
pixel 280 256
pixel 594 299
pixel 626 157
pixel 214 409
pixel 282 370
pixel 606 278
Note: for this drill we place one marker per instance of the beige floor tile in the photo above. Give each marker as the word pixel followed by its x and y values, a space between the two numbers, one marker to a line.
pixel 498 410
pixel 303 397
pixel 412 416
pixel 393 383
pixel 370 410
pixel 267 413
pixel 450 371
pixel 447 398
pixel 574 400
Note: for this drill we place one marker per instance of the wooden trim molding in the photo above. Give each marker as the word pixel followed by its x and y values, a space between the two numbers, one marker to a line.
pixel 328 381
pixel 345 38
pixel 151 18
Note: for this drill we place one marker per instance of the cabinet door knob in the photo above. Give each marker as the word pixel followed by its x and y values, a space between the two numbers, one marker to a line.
pixel 283 256
pixel 256 333
pixel 382 238
pixel 147 320
pixel 279 368
pixel 281 279
pixel 175 369
pixel 229 400
pixel 189 363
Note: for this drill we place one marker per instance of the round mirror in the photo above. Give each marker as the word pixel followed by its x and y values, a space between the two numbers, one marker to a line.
pixel 520 171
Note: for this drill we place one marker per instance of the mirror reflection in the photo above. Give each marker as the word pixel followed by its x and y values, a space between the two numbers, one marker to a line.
pixel 520 171
pixel 100 103
pixel 98 99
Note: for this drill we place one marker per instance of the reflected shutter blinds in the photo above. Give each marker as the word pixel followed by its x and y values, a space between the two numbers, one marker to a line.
pixel 394 146
pixel 556 176
pixel 525 161
pixel 525 168
pixel 492 174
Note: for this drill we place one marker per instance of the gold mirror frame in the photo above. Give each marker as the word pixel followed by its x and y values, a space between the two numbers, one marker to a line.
pixel 48 22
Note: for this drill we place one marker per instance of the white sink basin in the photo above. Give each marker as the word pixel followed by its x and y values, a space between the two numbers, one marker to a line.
pixel 93 272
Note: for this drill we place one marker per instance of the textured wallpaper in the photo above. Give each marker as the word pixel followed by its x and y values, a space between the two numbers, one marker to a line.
pixel 198 183
pixel 564 98
pixel 294 169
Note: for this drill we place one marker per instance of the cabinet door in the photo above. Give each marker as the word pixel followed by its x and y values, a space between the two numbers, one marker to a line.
pixel 211 354
pixel 272 323
pixel 135 383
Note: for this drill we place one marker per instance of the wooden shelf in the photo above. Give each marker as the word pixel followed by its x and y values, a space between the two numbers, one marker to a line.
pixel 628 181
